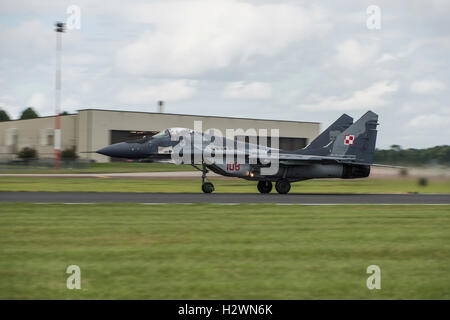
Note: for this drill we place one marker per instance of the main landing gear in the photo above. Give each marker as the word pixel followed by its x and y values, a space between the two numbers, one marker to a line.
pixel 264 186
pixel 282 186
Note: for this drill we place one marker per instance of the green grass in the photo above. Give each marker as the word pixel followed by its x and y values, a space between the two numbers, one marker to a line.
pixel 109 167
pixel 132 251
pixel 229 185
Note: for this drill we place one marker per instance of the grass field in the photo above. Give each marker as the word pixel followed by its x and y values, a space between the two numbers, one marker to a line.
pixel 108 167
pixel 230 185
pixel 133 251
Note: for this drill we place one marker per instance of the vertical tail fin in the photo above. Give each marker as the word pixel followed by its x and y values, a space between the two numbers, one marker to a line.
pixel 358 140
pixel 330 134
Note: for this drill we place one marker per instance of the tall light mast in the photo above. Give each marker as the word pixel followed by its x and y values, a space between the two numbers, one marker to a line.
pixel 60 28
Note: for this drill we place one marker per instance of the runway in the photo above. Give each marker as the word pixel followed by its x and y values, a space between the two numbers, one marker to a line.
pixel 222 198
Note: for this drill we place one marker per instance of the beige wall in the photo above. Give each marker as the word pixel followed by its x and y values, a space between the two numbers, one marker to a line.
pixel 89 130
pixel 29 134
pixel 94 137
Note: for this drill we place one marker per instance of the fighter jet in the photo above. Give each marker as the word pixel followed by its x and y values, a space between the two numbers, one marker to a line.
pixel 344 150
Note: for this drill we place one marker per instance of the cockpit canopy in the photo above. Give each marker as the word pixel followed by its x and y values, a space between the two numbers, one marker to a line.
pixel 167 133
pixel 162 134
pixel 173 132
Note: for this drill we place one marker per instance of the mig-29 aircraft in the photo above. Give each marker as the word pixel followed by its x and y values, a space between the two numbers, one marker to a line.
pixel 344 150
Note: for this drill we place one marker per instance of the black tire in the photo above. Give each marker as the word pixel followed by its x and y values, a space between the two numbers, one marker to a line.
pixel 264 186
pixel 207 187
pixel 283 186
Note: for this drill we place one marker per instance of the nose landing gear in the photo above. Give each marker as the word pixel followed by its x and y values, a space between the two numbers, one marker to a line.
pixel 207 187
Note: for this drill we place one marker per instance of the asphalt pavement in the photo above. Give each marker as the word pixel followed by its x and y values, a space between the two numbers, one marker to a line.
pixel 226 198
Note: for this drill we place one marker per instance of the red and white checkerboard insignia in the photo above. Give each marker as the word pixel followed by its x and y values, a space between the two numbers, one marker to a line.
pixel 349 139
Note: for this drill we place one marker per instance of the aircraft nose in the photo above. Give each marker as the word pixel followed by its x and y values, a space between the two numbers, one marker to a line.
pixel 115 150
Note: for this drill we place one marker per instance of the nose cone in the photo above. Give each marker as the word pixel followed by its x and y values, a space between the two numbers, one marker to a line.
pixel 117 150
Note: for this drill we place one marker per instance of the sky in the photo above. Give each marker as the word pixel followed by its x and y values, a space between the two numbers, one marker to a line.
pixel 286 60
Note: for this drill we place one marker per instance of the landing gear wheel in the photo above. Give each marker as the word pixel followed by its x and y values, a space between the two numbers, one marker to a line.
pixel 207 187
pixel 264 186
pixel 283 186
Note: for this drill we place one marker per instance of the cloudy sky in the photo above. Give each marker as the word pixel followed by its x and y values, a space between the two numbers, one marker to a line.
pixel 293 60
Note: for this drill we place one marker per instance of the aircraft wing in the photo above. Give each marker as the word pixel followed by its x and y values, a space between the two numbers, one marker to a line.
pixel 283 157
pixel 298 159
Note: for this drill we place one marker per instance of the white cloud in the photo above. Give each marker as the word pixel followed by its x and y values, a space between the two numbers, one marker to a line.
pixel 81 59
pixel 28 40
pixel 427 86
pixel 440 6
pixel 252 90
pixel 8 104
pixel 351 54
pixel 371 97
pixel 38 102
pixel 192 37
pixel 427 121
pixel 436 7
pixel 70 104
pixel 7 98
pixel 168 91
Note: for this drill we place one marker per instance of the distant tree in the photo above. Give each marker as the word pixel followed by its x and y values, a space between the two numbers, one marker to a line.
pixel 69 154
pixel 396 155
pixel 4 116
pixel 28 154
pixel 64 113
pixel 29 113
pixel 396 147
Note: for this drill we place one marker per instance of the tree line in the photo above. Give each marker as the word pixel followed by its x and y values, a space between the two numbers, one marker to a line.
pixel 438 155
pixel 28 113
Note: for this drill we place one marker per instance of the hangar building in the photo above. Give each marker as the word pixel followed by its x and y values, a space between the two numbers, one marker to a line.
pixel 92 129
